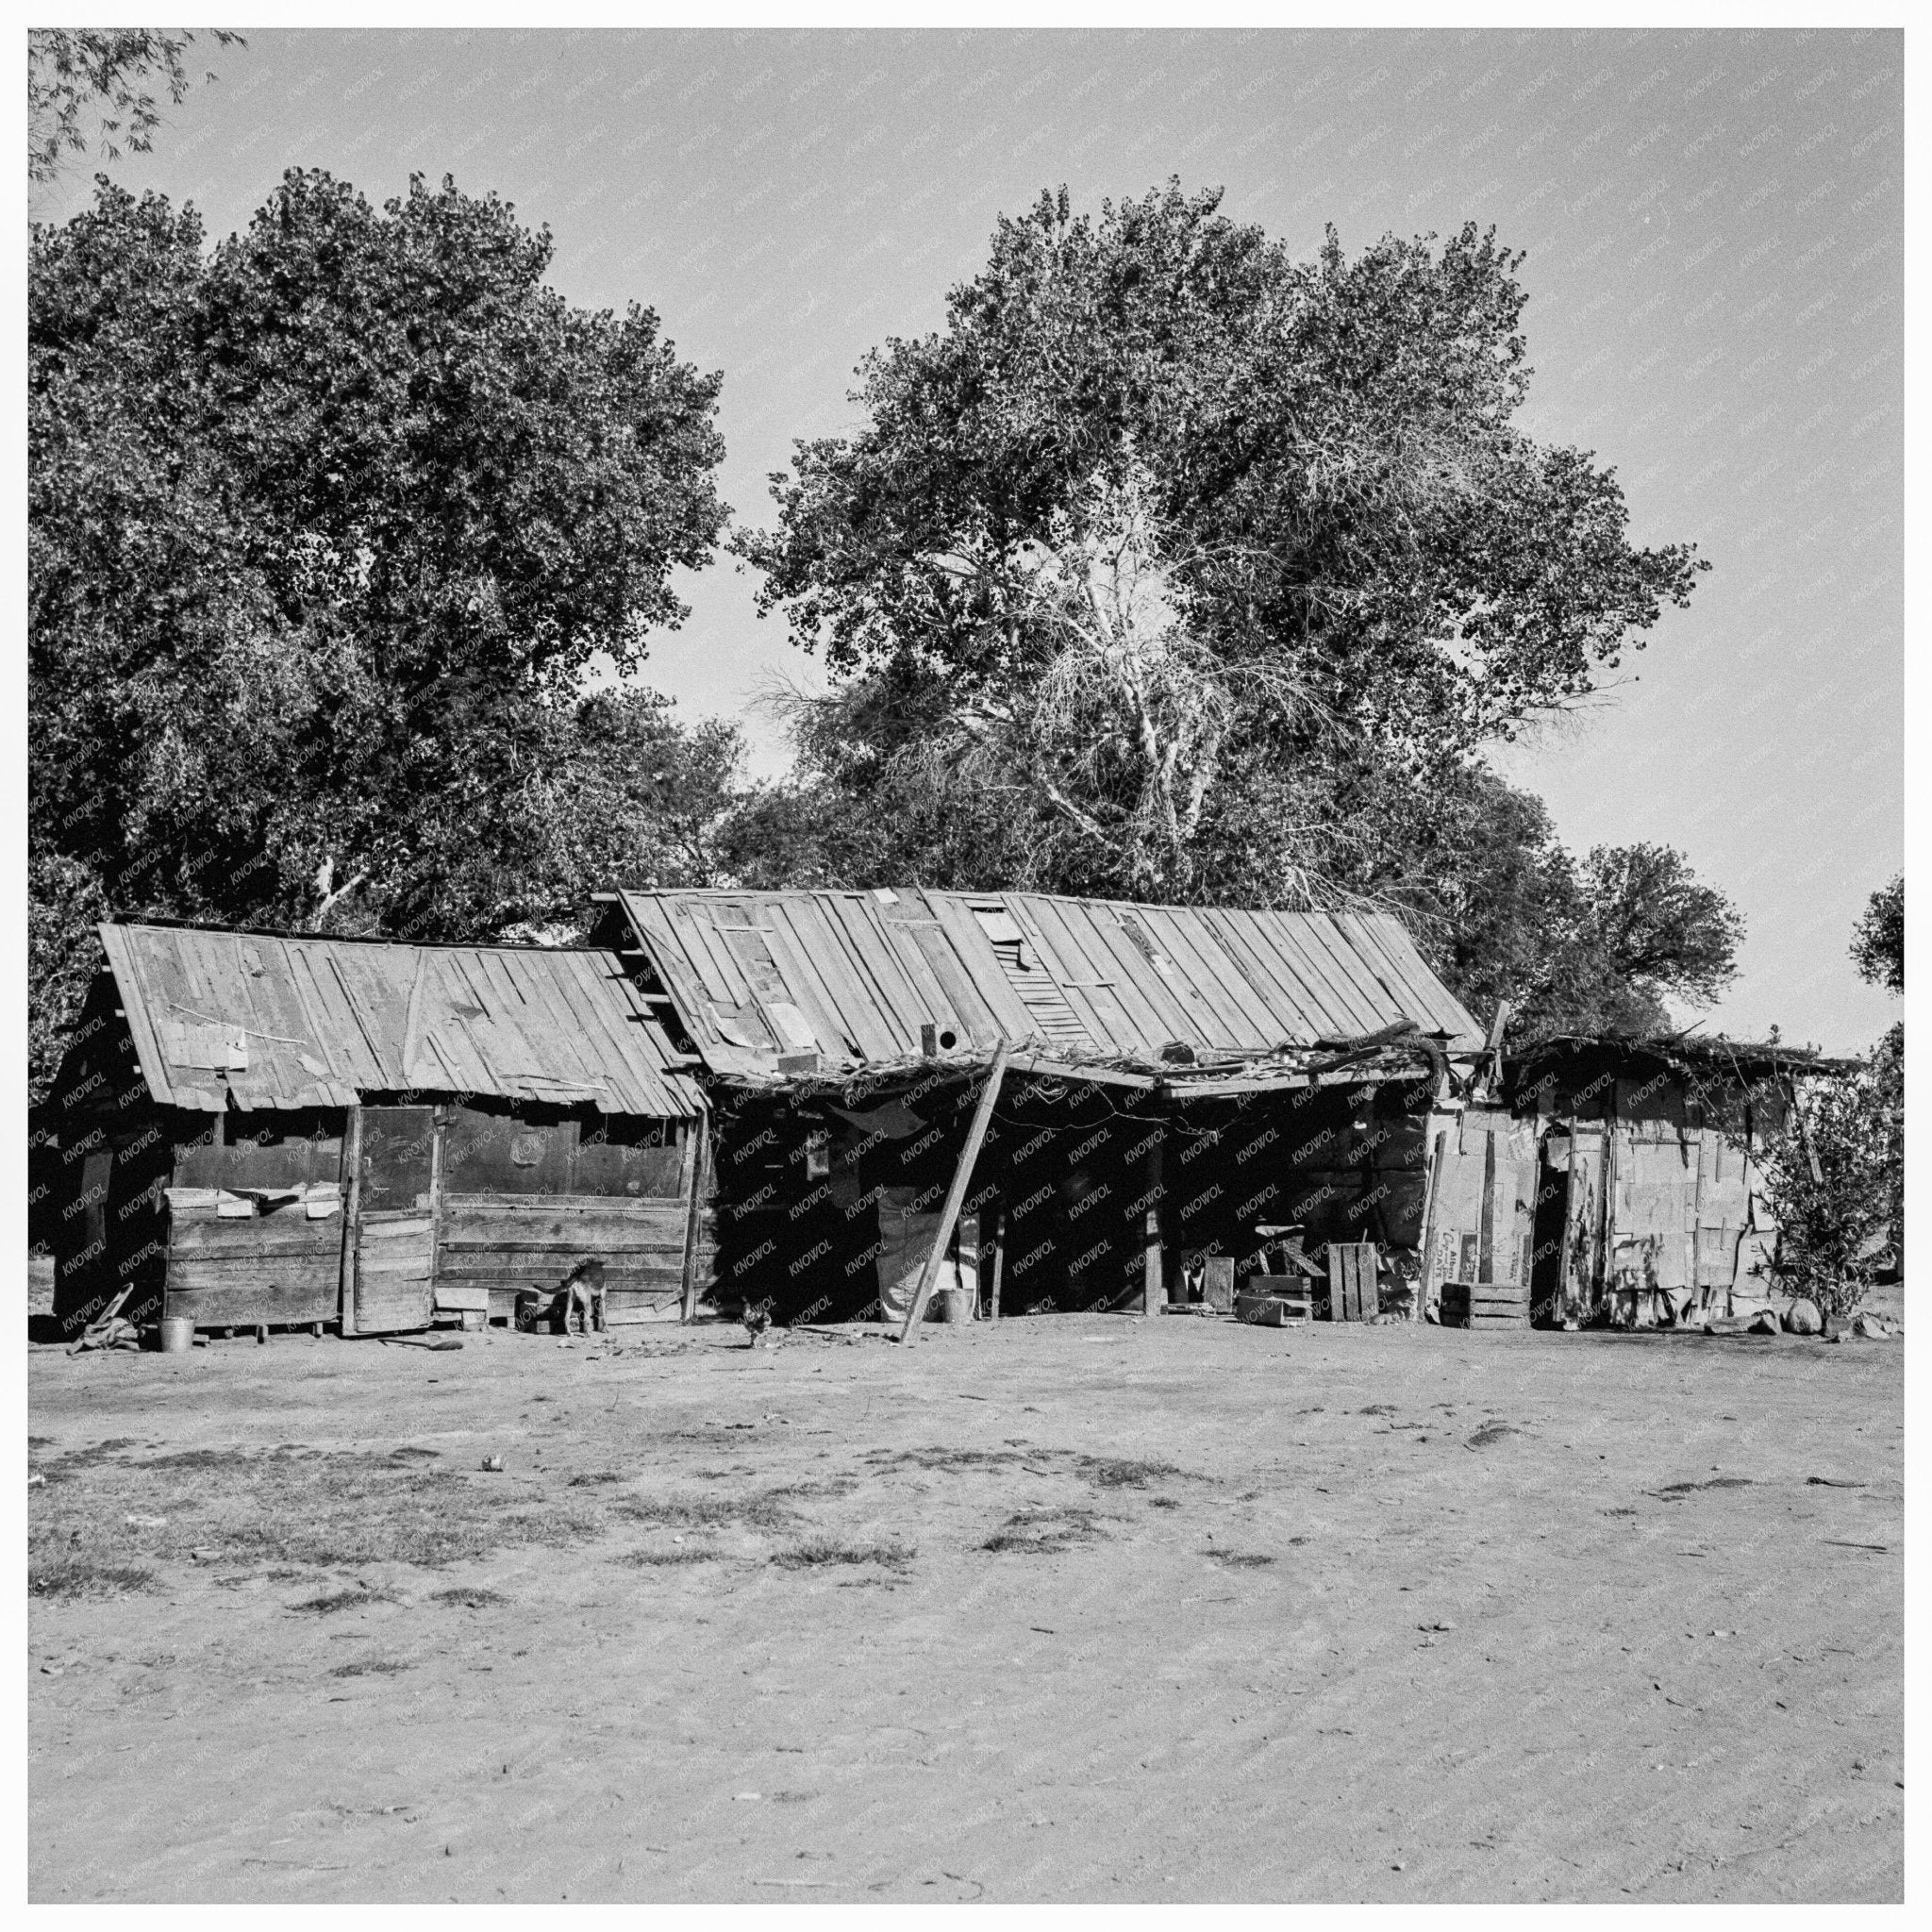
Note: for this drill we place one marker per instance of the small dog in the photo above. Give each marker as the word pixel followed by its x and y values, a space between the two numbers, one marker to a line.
pixel 583 1293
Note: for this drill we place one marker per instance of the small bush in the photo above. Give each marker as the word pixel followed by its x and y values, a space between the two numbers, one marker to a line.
pixel 1832 1178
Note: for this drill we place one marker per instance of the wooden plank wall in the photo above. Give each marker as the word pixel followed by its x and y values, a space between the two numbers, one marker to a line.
pixel 527 1196
pixel 517 1201
pixel 236 1260
pixel 508 1243
pixel 245 1268
pixel 1484 1195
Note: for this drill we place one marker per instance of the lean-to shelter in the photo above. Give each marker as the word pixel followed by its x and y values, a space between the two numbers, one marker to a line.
pixel 263 1129
pixel 1179 1078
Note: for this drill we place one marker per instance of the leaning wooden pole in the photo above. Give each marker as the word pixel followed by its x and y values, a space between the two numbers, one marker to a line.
pixel 975 1137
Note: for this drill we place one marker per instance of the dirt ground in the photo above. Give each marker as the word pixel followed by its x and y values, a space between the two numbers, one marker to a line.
pixel 1072 1607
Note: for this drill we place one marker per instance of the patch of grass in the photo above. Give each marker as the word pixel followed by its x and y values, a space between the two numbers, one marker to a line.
pixel 664 1559
pixel 706 1512
pixel 468 1596
pixel 1162 1502
pixel 410 1450
pixel 1044 1532
pixel 1377 1409
pixel 825 1486
pixel 65 1578
pixel 593 1477
pixel 819 1552
pixel 198 1458
pixel 955 1459
pixel 1103 1472
pixel 1109 1473
pixel 306 1509
pixel 370 1667
pixel 1237 1559
pixel 1492 1432
pixel 1675 1492
pixel 331 1601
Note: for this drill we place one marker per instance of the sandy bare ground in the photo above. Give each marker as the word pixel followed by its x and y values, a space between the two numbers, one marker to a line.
pixel 1078 1608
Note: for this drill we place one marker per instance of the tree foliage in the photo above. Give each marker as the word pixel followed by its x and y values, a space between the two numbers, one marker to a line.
pixel 1175 567
pixel 326 527
pixel 73 71
pixel 1330 441
pixel 1878 939
pixel 1830 1181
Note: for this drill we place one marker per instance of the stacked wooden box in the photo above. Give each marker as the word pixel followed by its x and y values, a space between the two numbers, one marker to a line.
pixel 1485 1304
pixel 1273 1301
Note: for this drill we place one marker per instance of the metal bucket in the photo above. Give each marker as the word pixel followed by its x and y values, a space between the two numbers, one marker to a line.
pixel 177 1334
pixel 955 1304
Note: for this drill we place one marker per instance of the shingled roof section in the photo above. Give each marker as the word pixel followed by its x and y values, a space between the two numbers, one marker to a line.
pixel 855 976
pixel 285 1021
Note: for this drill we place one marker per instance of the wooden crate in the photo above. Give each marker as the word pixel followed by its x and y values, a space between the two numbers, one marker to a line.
pixel 1288 1289
pixel 1353 1293
pixel 1214 1275
pixel 1485 1304
pixel 1270 1310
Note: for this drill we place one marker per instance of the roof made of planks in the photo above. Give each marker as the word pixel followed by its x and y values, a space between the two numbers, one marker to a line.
pixel 855 976
pixel 289 1022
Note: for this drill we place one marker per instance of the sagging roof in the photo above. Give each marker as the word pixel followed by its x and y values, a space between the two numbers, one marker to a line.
pixel 853 977
pixel 283 1021
pixel 1703 1058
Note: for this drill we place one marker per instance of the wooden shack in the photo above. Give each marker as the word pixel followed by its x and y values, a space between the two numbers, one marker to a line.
pixel 1177 1079
pixel 261 1130
pixel 1636 1160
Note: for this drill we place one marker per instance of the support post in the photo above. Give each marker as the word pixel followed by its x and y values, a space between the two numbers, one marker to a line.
pixel 1486 1238
pixel 699 1163
pixel 1154 1275
pixel 352 1216
pixel 999 1260
pixel 962 1175
pixel 1424 1274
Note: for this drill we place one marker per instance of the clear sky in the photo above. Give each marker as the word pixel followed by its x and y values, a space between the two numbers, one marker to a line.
pixel 1714 228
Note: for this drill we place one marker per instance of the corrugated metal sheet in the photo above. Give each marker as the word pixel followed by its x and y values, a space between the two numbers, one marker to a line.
pixel 289 1022
pixel 856 975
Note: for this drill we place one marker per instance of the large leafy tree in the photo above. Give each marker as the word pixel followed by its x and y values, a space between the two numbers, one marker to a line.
pixel 326 526
pixel 1322 452
pixel 1175 567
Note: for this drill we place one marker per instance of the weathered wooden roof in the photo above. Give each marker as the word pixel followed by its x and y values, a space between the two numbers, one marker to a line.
pixel 288 1022
pixel 855 976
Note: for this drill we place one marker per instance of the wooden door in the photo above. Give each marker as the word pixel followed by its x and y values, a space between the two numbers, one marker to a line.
pixel 396 1162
